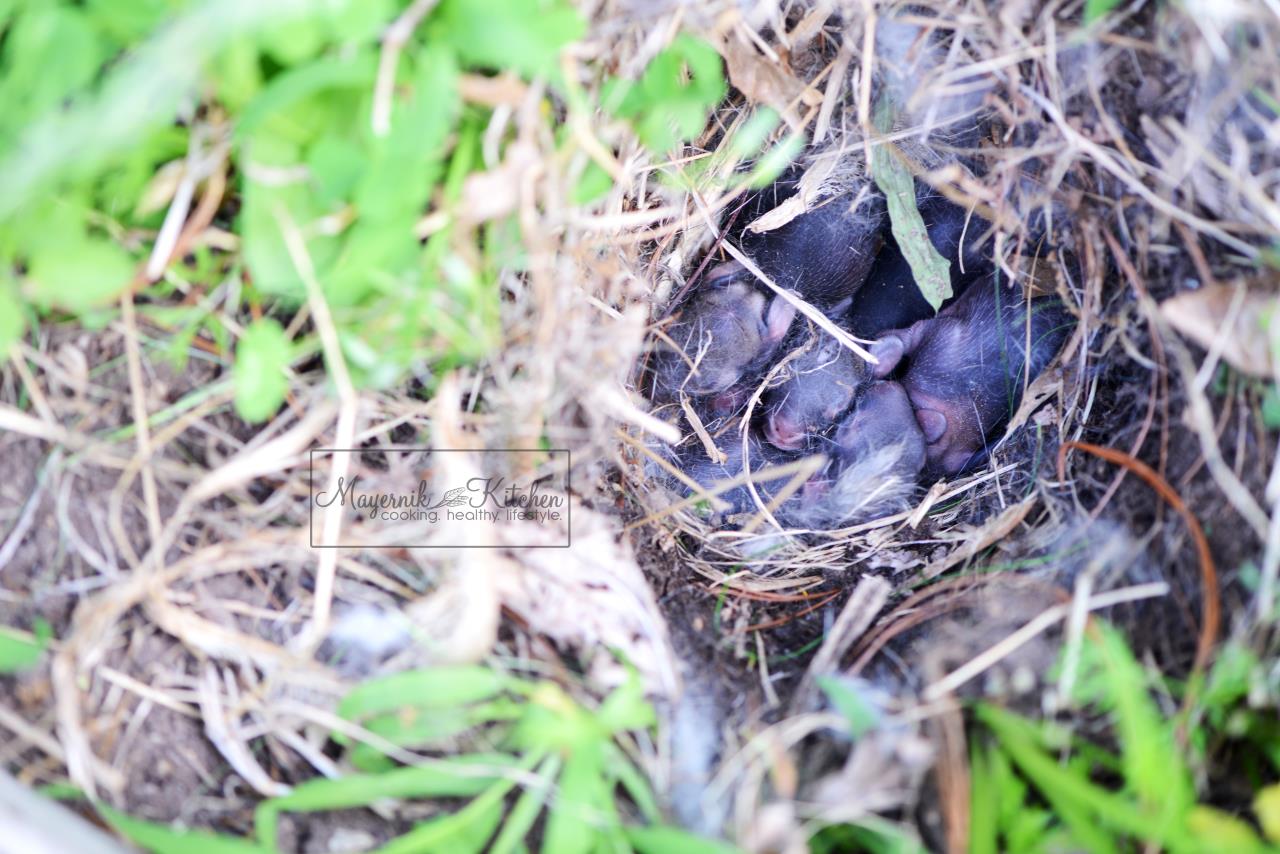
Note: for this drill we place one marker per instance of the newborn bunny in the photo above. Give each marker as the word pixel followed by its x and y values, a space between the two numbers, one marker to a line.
pixel 965 369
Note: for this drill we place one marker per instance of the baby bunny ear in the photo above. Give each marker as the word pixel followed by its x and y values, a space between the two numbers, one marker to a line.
pixel 889 351
pixel 932 423
pixel 778 319
pixel 892 347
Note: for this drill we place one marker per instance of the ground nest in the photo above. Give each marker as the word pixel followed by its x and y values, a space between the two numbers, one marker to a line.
pixel 802 679
pixel 911 599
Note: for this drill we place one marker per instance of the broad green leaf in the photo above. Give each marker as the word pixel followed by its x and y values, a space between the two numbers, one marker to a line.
pixel 593 184
pixel 672 840
pixel 675 95
pixel 1230 677
pixel 775 161
pixel 405 165
pixel 266 211
pixel 81 273
pixel 748 140
pixel 362 22
pixel 298 84
pixel 163 839
pixel 262 355
pixel 139 94
pixel 336 162
pixel 31 84
pixel 237 75
pixel 553 721
pixel 524 36
pixel 292 43
pixel 464 832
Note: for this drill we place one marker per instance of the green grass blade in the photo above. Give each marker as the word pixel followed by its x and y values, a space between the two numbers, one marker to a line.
pixel 527 809
pixel 462 777
pixel 162 839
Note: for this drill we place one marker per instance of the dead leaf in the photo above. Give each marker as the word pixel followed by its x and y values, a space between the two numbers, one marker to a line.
pixel 766 82
pixel 1230 317
pixel 496 193
pixel 161 188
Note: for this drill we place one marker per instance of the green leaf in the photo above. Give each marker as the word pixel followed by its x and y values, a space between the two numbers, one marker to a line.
pixel 162 839
pixel 1266 805
pixel 571 826
pixel 302 82
pixel 930 270
pixel 237 75
pixel 1271 407
pixel 1087 808
pixel 19 651
pixel 139 94
pixel 526 810
pixel 428 728
pixel 12 321
pixel 750 137
pixel 336 163
pixel 444 778
pixel 463 832
pixel 81 273
pixel 984 801
pixel 262 356
pixel 775 161
pixel 1220 831
pixel 436 688
pixel 524 36
pixel 619 767
pixel 466 830
pixel 1095 9
pixel 593 184
pixel 672 840
pixel 626 708
pixel 405 165
pixel 861 715
pixel 127 21
pixel 1230 677
pixel 1152 765
pixel 31 84
pixel 674 97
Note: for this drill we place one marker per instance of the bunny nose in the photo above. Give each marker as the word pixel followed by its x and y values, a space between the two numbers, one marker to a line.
pixel 783 433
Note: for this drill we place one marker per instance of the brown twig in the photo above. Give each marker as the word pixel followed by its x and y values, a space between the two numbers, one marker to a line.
pixel 1210 609
pixel 782 621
